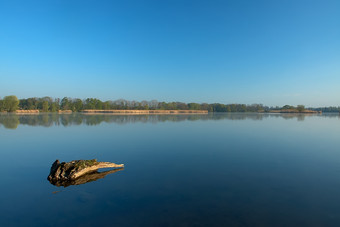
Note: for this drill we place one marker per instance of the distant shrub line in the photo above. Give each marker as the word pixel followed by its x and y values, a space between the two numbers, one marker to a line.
pixel 48 104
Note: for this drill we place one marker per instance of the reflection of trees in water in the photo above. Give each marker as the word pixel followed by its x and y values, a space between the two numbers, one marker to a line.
pixel 300 117
pixel 124 119
pixel 243 116
pixel 331 115
pixel 47 120
pixel 10 121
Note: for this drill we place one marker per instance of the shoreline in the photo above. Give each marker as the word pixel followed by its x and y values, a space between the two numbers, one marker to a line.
pixel 135 112
pixel 152 112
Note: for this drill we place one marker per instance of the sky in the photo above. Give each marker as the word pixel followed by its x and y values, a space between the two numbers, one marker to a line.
pixel 273 52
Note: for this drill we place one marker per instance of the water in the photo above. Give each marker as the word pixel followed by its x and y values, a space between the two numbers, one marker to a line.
pixel 180 170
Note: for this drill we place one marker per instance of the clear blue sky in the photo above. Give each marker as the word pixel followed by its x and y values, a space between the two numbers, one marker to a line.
pixel 271 52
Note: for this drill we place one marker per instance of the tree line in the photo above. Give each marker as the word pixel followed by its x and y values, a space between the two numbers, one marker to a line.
pixel 48 104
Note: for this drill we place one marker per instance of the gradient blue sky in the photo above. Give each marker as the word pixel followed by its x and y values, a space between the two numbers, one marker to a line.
pixel 271 52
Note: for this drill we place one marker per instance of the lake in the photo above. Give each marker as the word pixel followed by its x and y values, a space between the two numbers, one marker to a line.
pixel 180 170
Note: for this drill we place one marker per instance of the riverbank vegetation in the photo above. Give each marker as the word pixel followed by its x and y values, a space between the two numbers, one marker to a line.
pixel 48 104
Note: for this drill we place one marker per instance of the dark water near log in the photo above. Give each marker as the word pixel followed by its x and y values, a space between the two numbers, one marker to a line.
pixel 180 170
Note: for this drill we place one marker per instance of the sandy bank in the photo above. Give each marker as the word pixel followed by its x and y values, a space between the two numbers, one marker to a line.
pixel 27 112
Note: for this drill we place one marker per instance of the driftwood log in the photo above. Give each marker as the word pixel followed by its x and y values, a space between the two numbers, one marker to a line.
pixel 79 171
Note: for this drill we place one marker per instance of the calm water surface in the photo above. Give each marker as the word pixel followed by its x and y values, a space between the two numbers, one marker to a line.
pixel 180 170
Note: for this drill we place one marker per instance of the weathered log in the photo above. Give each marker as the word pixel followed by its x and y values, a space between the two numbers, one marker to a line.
pixel 64 172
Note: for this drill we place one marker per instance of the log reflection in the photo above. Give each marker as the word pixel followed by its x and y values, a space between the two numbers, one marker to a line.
pixel 92 176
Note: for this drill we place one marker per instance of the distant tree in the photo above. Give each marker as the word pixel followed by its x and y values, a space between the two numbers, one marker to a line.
pixel 181 106
pixel 217 107
pixel 120 104
pixel 65 103
pixel 23 104
pixel 45 106
pixel 243 108
pixel 286 107
pixel 194 106
pixel 89 104
pixel 144 105
pixel 77 105
pixel 92 104
pixel 106 105
pixel 255 108
pixel 205 106
pixel 172 106
pixel 300 108
pixel 11 103
pixel 233 108
pixel 32 103
pixel 153 104
pixel 1 105
pixel 99 104
pixel 332 109
pixel 53 107
pixel 161 106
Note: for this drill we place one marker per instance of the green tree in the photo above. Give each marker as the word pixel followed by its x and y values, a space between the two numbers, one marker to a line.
pixel 65 104
pixel 32 103
pixel 53 107
pixel 77 105
pixel 300 108
pixel 45 106
pixel 1 105
pixel 99 104
pixel 11 103
pixel 106 105
pixel 90 104
pixel 285 107
pixel 194 106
